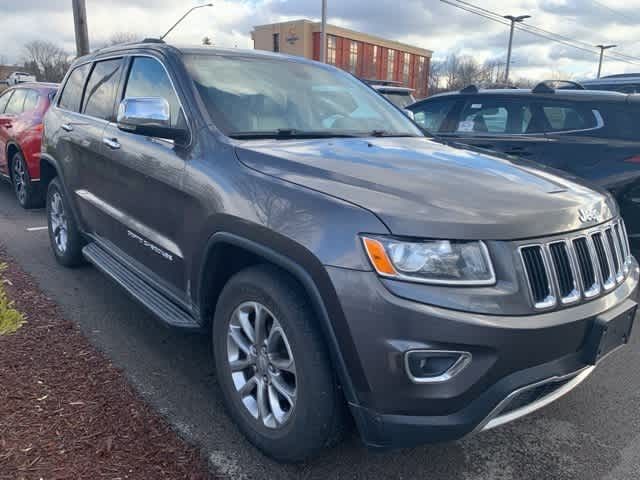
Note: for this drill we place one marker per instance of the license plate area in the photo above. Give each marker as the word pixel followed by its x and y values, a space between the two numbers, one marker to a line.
pixel 610 331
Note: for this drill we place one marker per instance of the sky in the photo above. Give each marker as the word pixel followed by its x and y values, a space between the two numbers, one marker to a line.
pixel 429 24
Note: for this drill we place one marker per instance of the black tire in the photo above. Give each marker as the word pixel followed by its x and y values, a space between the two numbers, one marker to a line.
pixel 28 193
pixel 318 419
pixel 71 255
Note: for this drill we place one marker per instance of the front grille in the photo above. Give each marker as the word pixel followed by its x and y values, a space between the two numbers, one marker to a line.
pixel 578 266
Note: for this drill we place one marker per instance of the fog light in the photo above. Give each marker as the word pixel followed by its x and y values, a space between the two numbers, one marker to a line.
pixel 434 366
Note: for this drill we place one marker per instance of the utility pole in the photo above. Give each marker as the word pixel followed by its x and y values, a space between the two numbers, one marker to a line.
pixel 80 24
pixel 602 49
pixel 183 17
pixel 323 33
pixel 513 21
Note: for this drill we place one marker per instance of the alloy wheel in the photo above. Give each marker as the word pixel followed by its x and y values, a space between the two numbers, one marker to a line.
pixel 262 366
pixel 58 220
pixel 19 179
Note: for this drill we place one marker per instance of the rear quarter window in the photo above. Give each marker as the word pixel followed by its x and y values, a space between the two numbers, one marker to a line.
pixel 568 117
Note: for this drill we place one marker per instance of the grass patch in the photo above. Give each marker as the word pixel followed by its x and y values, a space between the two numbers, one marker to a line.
pixel 10 319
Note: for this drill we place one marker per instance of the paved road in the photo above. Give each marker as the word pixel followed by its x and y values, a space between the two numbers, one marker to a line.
pixel 593 433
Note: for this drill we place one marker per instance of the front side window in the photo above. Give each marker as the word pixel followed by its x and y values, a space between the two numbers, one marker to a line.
pixel 249 95
pixel 148 78
pixel 431 115
pixel 102 86
pixel 568 117
pixel 31 101
pixel 4 99
pixel 72 93
pixel 16 104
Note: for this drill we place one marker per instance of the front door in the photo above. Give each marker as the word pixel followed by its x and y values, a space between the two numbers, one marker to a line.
pixel 143 181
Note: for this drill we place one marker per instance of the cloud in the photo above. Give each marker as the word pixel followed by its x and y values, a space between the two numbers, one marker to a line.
pixel 427 23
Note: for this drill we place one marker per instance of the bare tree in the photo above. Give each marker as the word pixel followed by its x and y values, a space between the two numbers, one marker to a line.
pixel 46 61
pixel 122 37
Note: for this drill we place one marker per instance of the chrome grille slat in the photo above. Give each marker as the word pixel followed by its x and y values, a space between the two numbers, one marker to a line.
pixel 581 265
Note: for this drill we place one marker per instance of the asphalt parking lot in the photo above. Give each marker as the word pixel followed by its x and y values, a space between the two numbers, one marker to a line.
pixel 593 433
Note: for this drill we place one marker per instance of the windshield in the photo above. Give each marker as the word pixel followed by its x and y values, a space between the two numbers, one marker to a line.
pixel 400 99
pixel 248 96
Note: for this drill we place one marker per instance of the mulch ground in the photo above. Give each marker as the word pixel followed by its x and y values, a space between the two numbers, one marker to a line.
pixel 67 413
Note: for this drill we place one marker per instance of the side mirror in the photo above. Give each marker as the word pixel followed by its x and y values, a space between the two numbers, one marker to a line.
pixel 149 116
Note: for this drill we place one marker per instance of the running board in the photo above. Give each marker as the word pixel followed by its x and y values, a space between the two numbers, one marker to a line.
pixel 150 297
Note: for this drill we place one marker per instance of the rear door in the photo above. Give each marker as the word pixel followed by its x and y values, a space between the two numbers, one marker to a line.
pixel 501 123
pixel 5 128
pixel 142 178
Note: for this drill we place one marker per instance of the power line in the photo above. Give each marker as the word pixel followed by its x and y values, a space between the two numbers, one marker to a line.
pixel 539 32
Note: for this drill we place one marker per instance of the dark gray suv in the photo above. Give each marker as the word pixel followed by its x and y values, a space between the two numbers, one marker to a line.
pixel 345 265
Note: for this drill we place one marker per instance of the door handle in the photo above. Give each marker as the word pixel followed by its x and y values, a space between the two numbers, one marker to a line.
pixel 67 127
pixel 112 143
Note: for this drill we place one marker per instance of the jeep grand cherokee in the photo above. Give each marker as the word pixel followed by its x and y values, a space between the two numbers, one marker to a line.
pixel 343 263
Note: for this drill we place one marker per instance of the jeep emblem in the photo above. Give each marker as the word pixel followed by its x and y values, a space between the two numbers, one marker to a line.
pixel 588 215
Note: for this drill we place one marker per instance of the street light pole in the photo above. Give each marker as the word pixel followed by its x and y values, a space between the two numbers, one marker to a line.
pixel 80 26
pixel 323 33
pixel 513 21
pixel 183 17
pixel 602 49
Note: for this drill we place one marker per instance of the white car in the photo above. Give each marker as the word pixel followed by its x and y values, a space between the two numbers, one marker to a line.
pixel 20 77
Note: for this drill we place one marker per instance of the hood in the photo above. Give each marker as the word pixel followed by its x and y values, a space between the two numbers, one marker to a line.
pixel 422 188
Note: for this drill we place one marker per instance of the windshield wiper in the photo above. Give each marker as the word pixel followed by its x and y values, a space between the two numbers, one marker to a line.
pixel 285 133
pixel 385 133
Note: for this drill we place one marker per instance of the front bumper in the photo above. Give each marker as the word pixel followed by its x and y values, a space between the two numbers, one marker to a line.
pixel 520 363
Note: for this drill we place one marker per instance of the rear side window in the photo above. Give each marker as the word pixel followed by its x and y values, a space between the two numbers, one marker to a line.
pixel 100 95
pixel 14 107
pixel 72 93
pixel 568 117
pixel 148 78
pixel 498 116
pixel 4 99
pixel 431 115
pixel 31 100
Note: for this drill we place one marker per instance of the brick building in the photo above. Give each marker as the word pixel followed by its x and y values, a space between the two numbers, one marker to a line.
pixel 366 56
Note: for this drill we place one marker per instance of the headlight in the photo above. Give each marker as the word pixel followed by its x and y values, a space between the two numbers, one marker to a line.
pixel 441 262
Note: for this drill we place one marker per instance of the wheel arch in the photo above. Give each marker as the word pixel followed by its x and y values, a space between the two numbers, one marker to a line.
pixel 12 149
pixel 323 298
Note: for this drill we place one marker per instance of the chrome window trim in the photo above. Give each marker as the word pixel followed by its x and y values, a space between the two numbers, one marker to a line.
pixel 460 364
pixel 125 55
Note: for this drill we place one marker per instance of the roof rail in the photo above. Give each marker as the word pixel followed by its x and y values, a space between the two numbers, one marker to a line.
pixel 546 86
pixel 469 89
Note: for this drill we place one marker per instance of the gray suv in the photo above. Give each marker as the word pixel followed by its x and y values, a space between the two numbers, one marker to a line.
pixel 345 266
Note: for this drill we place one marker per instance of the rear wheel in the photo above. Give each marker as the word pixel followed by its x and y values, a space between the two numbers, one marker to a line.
pixel 273 367
pixel 26 191
pixel 66 239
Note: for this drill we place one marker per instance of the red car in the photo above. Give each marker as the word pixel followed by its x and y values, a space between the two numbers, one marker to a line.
pixel 21 111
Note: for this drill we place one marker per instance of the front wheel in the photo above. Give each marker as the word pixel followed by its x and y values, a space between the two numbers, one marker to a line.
pixel 66 239
pixel 273 367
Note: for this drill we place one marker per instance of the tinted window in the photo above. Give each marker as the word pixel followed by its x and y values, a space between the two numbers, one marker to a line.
pixel 14 107
pixel 498 116
pixel 31 100
pixel 568 117
pixel 400 99
pixel 102 86
pixel 431 115
pixel 72 94
pixel 4 99
pixel 148 78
